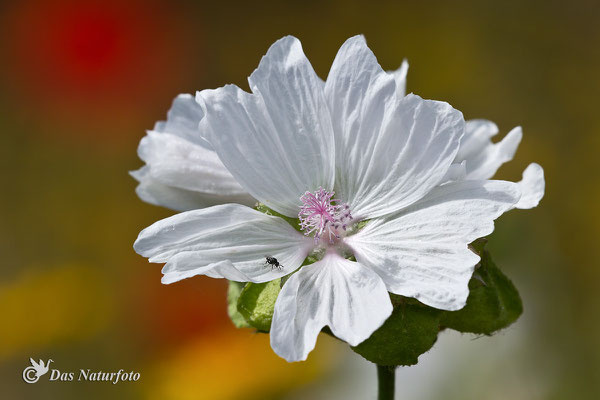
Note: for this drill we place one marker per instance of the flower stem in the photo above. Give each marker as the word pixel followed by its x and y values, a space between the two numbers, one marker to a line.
pixel 386 378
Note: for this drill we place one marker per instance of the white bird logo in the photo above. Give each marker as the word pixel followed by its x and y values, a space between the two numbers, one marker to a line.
pixel 32 374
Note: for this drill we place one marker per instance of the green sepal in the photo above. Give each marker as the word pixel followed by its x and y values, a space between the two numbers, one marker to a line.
pixel 294 222
pixel 493 303
pixel 256 303
pixel 233 293
pixel 410 331
pixel 478 245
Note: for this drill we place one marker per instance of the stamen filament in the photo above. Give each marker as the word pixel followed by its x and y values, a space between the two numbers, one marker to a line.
pixel 322 214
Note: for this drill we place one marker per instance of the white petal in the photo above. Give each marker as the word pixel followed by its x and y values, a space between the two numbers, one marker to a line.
pixel 456 172
pixel 182 120
pixel 532 187
pixel 342 294
pixel 482 155
pixel 422 251
pixel 400 78
pixel 278 141
pixel 478 134
pixel 154 192
pixel 389 151
pixel 226 241
pixel 179 163
pixel 182 172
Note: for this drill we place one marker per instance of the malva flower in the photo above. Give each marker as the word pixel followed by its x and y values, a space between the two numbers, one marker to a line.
pixel 183 172
pixel 369 173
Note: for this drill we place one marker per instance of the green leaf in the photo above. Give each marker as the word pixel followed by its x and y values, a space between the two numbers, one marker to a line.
pixel 256 303
pixel 493 302
pixel 410 331
pixel 233 293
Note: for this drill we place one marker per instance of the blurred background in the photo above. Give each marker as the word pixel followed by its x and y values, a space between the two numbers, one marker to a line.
pixel 82 81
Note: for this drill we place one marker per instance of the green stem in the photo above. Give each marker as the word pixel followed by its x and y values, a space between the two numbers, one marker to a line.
pixel 386 378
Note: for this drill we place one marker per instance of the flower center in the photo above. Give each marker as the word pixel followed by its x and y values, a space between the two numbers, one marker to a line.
pixel 321 215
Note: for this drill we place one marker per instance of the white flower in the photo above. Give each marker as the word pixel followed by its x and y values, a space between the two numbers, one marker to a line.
pixel 293 143
pixel 183 172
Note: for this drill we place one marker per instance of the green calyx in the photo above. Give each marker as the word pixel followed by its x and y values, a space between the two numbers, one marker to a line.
pixel 233 294
pixel 254 304
pixel 412 329
pixel 493 304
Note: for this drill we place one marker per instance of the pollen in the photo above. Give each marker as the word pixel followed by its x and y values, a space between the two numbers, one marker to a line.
pixel 323 216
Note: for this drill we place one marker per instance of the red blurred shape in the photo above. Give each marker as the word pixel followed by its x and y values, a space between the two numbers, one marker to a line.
pixel 94 58
pixel 76 46
pixel 91 42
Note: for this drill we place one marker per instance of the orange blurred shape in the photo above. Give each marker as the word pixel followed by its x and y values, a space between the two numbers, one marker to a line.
pixel 167 315
pixel 63 304
pixel 234 364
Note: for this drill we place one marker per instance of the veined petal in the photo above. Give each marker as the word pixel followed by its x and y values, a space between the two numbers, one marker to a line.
pixel 532 187
pixel 400 78
pixel 155 192
pixel 482 155
pixel 344 295
pixel 225 241
pixel 179 163
pixel 422 251
pixel 483 158
pixel 390 151
pixel 182 172
pixel 478 135
pixel 456 172
pixel 278 141
pixel 183 119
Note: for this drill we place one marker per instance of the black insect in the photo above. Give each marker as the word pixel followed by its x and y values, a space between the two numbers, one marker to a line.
pixel 272 261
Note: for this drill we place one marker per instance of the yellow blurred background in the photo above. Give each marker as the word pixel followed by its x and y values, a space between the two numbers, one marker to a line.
pixel 82 80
